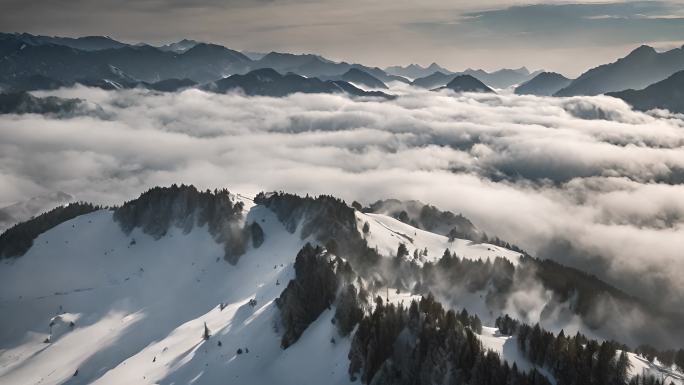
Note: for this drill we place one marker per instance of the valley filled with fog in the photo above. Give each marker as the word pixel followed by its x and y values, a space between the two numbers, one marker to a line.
pixel 584 180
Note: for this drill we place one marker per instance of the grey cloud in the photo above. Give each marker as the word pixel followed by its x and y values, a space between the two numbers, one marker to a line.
pixel 564 25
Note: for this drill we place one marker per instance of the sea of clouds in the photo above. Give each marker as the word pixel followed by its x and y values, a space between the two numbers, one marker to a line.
pixel 586 181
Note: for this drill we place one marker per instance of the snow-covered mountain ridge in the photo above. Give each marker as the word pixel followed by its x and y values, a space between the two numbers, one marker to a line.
pixel 124 296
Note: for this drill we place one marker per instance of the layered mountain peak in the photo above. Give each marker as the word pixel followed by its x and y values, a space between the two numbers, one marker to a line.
pixel 467 83
pixel 415 71
pixel 179 46
pixel 667 94
pixel 640 68
pixel 206 49
pixel 269 82
pixel 641 51
pixel 544 84
pixel 357 76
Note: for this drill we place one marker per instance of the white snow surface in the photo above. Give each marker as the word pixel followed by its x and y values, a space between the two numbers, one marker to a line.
pixel 139 310
pixel 139 306
pixel 386 233
pixel 507 347
pixel 641 367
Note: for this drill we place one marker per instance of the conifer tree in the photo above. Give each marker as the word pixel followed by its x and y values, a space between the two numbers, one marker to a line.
pixel 206 334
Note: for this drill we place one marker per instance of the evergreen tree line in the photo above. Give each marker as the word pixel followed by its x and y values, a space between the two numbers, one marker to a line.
pixel 666 357
pixel 334 224
pixel 573 360
pixel 319 277
pixel 185 207
pixel 18 239
pixel 325 217
pixel 426 344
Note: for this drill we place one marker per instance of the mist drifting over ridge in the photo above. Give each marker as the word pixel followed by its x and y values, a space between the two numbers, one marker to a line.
pixel 585 180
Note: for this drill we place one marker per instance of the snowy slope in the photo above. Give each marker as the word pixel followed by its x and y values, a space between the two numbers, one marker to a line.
pixel 641 367
pixel 108 308
pixel 139 310
pixel 507 347
pixel 386 233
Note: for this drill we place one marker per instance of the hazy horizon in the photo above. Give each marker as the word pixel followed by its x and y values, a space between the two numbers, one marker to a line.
pixel 566 37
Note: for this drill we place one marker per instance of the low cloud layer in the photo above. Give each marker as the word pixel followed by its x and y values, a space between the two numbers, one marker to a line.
pixel 586 180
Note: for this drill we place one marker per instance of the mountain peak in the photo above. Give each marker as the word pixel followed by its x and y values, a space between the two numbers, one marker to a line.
pixel 544 84
pixel 359 76
pixel 265 73
pixel 642 50
pixel 468 83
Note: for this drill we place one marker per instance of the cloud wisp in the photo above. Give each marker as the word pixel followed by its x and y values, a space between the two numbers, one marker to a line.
pixel 586 181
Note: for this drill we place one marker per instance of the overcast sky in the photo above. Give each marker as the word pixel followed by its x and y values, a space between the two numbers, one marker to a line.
pixel 564 36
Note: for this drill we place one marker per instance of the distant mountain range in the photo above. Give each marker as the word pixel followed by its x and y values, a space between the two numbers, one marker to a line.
pixel 86 43
pixel 174 67
pixel 499 79
pixel 268 82
pixel 414 71
pixel 33 62
pixel 313 65
pixel 642 67
pixel 203 62
pixel 436 79
pixel 667 94
pixel 180 46
pixel 503 78
pixel 356 76
pixel 30 62
pixel 544 84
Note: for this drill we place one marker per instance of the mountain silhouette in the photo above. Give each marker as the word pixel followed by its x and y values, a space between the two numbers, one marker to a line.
pixel 498 79
pixel 415 71
pixel 86 43
pixel 467 83
pixel 642 67
pixel 666 94
pixel 544 84
pixel 358 77
pixel 268 82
